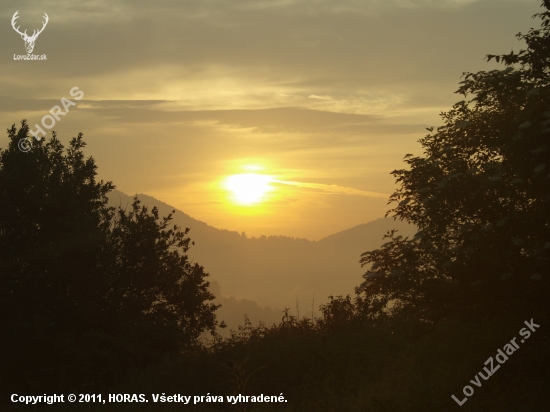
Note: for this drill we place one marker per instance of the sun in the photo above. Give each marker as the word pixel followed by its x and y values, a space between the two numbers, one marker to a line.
pixel 248 188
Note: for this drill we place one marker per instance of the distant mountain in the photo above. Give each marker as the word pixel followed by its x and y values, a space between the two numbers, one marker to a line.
pixel 277 271
pixel 234 310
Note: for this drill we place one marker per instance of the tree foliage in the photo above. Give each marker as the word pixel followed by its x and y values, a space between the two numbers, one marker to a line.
pixel 86 288
pixel 480 197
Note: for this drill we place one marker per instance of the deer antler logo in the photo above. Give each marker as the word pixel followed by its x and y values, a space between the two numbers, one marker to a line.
pixel 29 40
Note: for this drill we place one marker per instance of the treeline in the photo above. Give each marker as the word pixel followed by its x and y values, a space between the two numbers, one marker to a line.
pixel 86 290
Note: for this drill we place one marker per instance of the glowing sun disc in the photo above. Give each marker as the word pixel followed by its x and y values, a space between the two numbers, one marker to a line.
pixel 248 188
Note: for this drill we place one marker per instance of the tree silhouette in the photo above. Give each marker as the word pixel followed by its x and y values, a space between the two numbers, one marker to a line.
pixel 480 196
pixel 87 289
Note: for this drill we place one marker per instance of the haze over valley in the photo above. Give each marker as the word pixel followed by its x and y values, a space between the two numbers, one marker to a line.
pixel 275 271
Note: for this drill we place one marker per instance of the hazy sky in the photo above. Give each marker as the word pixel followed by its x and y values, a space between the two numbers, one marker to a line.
pixel 325 97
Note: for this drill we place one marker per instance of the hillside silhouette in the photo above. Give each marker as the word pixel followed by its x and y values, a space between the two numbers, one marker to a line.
pixel 276 271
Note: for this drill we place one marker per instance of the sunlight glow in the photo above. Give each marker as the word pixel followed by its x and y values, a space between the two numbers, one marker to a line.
pixel 253 168
pixel 249 188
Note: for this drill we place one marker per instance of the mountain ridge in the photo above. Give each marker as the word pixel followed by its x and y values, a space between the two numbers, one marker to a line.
pixel 276 271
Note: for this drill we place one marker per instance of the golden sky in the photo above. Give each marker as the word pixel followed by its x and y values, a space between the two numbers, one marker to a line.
pixel 311 103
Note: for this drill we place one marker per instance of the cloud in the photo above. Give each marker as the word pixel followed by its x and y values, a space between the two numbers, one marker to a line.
pixel 334 189
pixel 9 104
pixel 254 51
pixel 275 120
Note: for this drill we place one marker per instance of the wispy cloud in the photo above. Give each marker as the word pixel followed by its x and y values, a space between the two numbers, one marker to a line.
pixel 333 189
